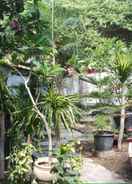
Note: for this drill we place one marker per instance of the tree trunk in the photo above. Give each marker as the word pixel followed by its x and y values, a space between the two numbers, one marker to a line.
pixel 50 142
pixel 43 118
pixel 40 114
pixel 122 126
pixel 2 142
pixel 122 119
pixel 29 139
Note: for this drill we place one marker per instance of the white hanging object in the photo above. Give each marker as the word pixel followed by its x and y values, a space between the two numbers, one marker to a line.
pixel 130 149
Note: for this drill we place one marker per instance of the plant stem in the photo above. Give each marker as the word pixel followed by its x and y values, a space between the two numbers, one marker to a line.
pixel 29 139
pixel 41 115
pixel 53 42
pixel 122 119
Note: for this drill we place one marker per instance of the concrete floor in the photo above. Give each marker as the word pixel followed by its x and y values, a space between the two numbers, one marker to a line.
pixel 92 172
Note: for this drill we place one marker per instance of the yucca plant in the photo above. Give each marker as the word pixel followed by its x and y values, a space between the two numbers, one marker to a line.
pixel 123 66
pixel 60 110
pixel 114 86
pixel 123 69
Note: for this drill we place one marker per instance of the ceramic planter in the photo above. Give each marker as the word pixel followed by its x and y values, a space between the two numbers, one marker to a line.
pixel 42 169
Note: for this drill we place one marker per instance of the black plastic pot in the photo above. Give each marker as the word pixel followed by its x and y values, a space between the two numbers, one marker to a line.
pixel 128 124
pixel 128 121
pixel 104 141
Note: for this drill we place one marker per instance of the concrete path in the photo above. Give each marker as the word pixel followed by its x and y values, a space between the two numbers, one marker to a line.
pixel 92 173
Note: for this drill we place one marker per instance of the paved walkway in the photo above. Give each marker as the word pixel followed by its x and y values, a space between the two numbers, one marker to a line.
pixel 92 173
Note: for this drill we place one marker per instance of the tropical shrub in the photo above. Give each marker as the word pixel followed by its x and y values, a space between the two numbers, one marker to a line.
pixel 102 123
pixel 60 110
pixel 21 164
pixel 123 69
pixel 68 165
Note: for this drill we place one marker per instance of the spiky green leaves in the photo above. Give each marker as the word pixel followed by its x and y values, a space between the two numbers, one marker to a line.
pixel 123 66
pixel 60 109
pixel 47 70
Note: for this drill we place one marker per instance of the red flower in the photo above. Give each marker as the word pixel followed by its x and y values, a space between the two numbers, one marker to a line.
pixel 15 25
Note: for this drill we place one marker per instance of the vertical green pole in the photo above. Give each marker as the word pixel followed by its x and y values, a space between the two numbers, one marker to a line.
pixel 2 142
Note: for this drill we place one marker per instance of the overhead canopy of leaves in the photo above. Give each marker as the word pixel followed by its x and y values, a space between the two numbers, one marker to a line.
pixel 27 31
pixel 86 29
pixel 90 29
pixel 11 7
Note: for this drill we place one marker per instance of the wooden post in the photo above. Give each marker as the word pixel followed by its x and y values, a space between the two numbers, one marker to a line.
pixel 2 142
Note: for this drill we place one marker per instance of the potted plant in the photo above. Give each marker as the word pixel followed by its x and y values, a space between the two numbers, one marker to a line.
pixel 58 110
pixel 20 164
pixel 67 169
pixel 52 108
pixel 114 90
pixel 46 73
pixel 122 69
pixel 42 169
pixel 104 136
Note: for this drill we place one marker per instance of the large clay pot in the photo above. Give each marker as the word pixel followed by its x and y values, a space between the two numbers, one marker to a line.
pixel 42 169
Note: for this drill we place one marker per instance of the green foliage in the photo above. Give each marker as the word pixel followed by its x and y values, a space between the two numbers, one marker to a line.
pixel 24 119
pixel 21 164
pixel 60 109
pixel 11 7
pixel 90 30
pixel 47 70
pixel 5 97
pixel 26 32
pixel 102 123
pixel 77 64
pixel 103 88
pixel 87 34
pixel 68 165
pixel 123 66
pixel 82 29
pixel 100 13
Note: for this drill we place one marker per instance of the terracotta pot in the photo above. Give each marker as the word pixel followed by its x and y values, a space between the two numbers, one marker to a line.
pixel 42 169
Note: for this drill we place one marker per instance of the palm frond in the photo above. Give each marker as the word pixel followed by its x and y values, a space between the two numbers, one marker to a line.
pixel 123 66
pixel 47 70
pixel 60 109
